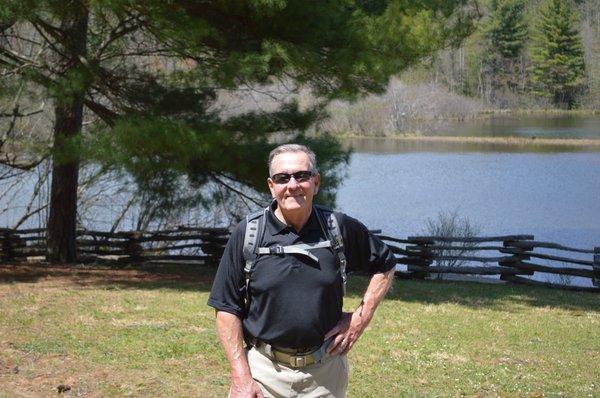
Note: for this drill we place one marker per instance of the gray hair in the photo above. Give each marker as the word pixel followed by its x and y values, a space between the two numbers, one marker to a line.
pixel 293 148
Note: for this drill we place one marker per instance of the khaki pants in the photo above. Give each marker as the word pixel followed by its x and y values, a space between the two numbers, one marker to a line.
pixel 326 379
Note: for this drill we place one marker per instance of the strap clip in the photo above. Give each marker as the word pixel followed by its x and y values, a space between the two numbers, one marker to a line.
pixel 276 250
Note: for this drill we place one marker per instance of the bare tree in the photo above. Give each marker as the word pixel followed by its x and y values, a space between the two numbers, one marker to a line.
pixel 403 108
pixel 451 224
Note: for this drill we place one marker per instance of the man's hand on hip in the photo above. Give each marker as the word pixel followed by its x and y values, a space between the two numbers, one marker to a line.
pixel 352 324
pixel 346 332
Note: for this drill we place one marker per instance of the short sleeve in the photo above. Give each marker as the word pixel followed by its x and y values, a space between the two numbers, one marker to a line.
pixel 228 289
pixel 364 251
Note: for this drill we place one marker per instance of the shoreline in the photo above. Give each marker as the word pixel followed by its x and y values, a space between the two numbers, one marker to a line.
pixel 541 112
pixel 505 141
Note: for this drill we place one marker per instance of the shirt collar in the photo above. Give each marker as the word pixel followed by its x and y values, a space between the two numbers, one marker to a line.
pixel 278 227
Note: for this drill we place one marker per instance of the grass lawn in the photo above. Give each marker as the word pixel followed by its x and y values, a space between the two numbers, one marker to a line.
pixel 149 333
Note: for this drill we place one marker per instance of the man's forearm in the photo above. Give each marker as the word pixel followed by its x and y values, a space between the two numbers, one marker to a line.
pixel 378 287
pixel 229 329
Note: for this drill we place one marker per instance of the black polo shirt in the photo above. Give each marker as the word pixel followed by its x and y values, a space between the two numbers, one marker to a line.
pixel 294 301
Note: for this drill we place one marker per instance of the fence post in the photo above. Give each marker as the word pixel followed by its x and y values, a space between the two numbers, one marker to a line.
pixel 6 246
pixel 420 256
pixel 520 250
pixel 211 249
pixel 134 248
pixel 596 278
pixel 10 240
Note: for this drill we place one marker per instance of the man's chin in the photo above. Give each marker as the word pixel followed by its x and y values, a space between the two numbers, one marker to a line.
pixel 295 203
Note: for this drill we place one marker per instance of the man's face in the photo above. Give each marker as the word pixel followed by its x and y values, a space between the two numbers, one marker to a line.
pixel 293 195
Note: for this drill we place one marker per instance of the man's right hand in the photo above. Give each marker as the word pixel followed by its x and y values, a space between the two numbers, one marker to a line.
pixel 245 389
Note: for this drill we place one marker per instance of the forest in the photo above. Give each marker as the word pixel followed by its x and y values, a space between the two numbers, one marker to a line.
pixel 527 54
pixel 522 56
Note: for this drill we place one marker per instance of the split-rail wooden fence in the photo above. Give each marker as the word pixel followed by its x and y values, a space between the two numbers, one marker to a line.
pixel 194 245
pixel 511 257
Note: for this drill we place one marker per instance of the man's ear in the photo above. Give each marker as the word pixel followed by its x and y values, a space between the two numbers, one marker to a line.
pixel 270 184
pixel 317 178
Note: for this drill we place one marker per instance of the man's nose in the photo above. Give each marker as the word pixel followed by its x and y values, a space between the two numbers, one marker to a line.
pixel 293 182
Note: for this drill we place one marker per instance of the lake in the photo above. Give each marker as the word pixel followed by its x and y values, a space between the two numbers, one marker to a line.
pixel 554 196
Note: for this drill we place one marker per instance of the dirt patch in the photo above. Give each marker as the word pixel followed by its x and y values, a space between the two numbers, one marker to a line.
pixel 27 374
pixel 32 375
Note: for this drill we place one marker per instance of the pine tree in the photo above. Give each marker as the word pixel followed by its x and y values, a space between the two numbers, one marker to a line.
pixel 558 66
pixel 507 29
pixel 145 76
pixel 505 37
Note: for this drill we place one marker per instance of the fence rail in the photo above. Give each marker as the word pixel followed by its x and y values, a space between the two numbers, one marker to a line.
pixel 188 244
pixel 426 256
pixel 508 257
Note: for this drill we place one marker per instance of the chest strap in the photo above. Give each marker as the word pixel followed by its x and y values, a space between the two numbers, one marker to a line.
pixel 255 230
pixel 301 248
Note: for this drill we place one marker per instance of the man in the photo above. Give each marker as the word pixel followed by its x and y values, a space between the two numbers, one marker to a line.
pixel 287 306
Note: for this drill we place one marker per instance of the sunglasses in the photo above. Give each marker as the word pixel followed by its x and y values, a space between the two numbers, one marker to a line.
pixel 284 178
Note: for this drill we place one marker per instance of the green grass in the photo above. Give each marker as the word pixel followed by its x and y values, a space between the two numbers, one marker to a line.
pixel 153 335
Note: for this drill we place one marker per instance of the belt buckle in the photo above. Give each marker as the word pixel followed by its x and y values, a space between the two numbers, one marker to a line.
pixel 297 361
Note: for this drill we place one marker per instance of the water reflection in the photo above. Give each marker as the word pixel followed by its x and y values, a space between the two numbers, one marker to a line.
pixel 504 133
pixel 547 126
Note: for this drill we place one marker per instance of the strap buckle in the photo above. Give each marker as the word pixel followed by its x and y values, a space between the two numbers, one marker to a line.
pixel 277 250
pixel 297 361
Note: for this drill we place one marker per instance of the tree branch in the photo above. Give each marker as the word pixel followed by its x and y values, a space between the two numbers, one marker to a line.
pixel 15 113
pixel 21 166
pixel 41 27
pixel 145 53
pixel 36 191
pixel 16 57
pixel 128 205
pixel 29 215
pixel 237 191
pixel 108 116
pixel 117 33
pixel 23 39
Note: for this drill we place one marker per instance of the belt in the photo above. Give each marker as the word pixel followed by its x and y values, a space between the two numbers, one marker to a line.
pixel 291 357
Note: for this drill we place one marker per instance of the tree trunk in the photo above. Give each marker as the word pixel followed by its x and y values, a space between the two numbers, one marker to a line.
pixel 65 158
pixel 63 193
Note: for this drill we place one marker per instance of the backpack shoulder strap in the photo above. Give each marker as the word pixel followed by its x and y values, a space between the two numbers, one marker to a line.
pixel 251 234
pixel 331 229
pixel 255 228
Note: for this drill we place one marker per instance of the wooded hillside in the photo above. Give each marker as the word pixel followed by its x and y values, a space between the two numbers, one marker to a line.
pixel 525 54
